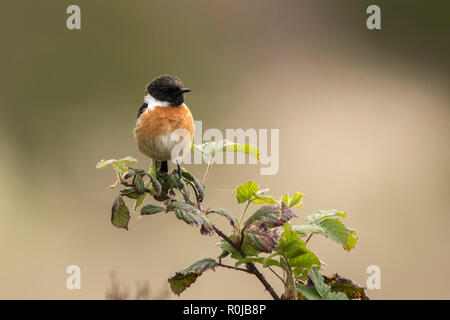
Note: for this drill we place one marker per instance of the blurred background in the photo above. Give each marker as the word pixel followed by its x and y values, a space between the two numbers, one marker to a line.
pixel 364 127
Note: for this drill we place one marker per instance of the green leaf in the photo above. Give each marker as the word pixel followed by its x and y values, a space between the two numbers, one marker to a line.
pixel 291 246
pixel 151 209
pixel 264 199
pixel 285 199
pixel 350 288
pixel 318 281
pixel 268 261
pixel 336 296
pixel 183 279
pixel 310 293
pixel 129 193
pixel 244 148
pixel 262 238
pixel 120 215
pixel 301 264
pixel 304 230
pixel 225 213
pixel 180 282
pixel 271 215
pixel 322 288
pixel 296 200
pixel 128 160
pixel 189 214
pixel 261 198
pixel 246 247
pixel 248 259
pixel 246 192
pixel 197 184
pixel 119 167
pixel 104 163
pixel 334 228
pixel 155 184
pixel 323 214
pixel 210 149
pixel 139 183
pixel 139 201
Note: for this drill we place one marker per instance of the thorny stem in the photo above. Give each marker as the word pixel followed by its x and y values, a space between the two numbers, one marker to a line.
pixel 250 266
pixel 231 267
pixel 279 277
pixel 243 214
pixel 208 171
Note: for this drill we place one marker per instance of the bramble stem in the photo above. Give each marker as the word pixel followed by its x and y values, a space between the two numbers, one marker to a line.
pixel 250 266
pixel 233 268
pixel 243 214
pixel 208 171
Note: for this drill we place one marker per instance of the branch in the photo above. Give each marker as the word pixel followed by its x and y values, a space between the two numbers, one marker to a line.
pixel 231 267
pixel 250 266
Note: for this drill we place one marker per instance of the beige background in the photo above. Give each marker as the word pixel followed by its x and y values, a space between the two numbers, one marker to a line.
pixel 363 118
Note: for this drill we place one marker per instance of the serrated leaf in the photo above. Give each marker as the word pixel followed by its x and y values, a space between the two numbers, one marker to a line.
pixel 139 183
pixel 262 238
pixel 304 230
pixel 150 209
pixel 336 296
pixel 141 198
pixel 155 184
pixel 104 163
pixel 271 215
pixel 248 259
pixel 197 184
pixel 351 289
pixel 246 192
pixel 296 200
pixel 120 215
pixel 210 149
pixel 180 282
pixel 268 261
pixel 189 214
pixel 261 198
pixel 139 201
pixel 302 263
pixel 129 193
pixel 318 281
pixel 225 213
pixel 291 245
pixel 334 228
pixel 310 293
pixel 183 279
pixel 246 247
pixel 244 148
pixel 119 167
pixel 128 160
pixel 323 214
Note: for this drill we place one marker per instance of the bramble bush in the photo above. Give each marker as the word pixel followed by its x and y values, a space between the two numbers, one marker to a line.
pixel 265 239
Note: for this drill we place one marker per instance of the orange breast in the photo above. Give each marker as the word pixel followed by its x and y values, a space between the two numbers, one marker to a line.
pixel 161 121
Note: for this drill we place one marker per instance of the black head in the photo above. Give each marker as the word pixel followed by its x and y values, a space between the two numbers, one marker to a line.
pixel 167 89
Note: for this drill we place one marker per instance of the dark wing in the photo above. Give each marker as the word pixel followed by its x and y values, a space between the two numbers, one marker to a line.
pixel 142 109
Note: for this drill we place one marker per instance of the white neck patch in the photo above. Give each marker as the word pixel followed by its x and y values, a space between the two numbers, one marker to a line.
pixel 153 102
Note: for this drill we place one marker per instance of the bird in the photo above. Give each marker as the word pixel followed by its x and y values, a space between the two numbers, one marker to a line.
pixel 161 119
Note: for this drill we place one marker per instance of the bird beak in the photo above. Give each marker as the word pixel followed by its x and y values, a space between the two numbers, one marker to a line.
pixel 184 90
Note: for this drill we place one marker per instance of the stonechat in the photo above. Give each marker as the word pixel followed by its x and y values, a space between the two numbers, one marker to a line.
pixel 161 119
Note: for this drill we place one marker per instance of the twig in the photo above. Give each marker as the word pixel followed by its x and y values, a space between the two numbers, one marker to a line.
pixel 251 267
pixel 279 277
pixel 208 171
pixel 309 238
pixel 231 267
